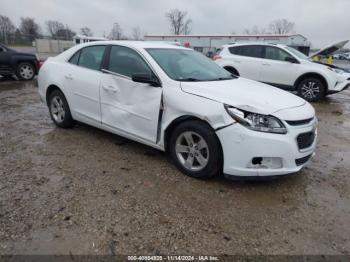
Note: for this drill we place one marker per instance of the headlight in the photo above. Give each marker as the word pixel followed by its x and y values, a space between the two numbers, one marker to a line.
pixel 257 122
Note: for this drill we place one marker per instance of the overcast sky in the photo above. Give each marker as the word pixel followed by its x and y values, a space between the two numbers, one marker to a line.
pixel 321 21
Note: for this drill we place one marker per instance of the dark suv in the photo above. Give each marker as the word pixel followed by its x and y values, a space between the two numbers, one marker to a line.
pixel 25 66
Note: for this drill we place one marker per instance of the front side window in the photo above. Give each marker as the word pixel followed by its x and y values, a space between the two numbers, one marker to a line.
pixel 275 53
pixel 91 57
pixel 125 61
pixel 187 65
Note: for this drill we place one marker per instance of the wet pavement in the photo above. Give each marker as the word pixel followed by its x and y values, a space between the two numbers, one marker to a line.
pixel 85 191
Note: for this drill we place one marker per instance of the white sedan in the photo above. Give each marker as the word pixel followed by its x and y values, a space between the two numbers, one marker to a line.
pixel 177 100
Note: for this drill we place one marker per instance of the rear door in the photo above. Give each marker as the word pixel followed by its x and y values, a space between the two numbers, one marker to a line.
pixel 82 79
pixel 127 106
pixel 276 70
pixel 247 60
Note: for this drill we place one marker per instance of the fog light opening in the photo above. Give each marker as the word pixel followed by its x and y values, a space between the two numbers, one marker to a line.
pixel 266 163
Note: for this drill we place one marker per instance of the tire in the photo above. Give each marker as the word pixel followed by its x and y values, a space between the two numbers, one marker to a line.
pixel 311 89
pixel 206 157
pixel 232 70
pixel 25 71
pixel 59 110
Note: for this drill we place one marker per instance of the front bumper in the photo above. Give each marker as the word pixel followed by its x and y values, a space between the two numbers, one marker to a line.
pixel 339 87
pixel 241 145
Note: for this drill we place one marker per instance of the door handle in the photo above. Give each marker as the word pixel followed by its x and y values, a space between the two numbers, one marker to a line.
pixel 238 62
pixel 68 77
pixel 266 64
pixel 110 89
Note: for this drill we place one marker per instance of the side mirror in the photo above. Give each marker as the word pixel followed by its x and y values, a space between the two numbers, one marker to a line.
pixel 146 78
pixel 291 60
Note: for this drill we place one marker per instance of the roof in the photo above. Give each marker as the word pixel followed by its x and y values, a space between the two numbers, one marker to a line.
pixel 136 44
pixel 232 36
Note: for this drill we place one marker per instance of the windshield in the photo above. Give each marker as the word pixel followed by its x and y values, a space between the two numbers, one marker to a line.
pixel 297 53
pixel 188 65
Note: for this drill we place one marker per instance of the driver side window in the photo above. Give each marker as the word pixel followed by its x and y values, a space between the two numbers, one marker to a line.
pixel 274 53
pixel 125 61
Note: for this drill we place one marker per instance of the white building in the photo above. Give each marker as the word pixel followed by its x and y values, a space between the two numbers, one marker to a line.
pixel 79 39
pixel 210 43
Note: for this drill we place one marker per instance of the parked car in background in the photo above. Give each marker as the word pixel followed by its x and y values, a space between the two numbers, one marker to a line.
pixel 25 66
pixel 284 67
pixel 177 100
pixel 340 56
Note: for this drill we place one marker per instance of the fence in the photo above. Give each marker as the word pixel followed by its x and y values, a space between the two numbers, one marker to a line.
pixel 44 46
pixel 51 47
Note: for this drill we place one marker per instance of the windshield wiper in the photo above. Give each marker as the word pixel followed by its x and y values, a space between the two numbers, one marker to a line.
pixel 223 78
pixel 189 79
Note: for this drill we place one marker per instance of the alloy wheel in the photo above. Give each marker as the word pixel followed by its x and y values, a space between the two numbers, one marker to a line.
pixel 26 72
pixel 310 90
pixel 57 109
pixel 192 151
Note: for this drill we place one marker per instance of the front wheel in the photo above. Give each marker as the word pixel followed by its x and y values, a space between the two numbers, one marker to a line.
pixel 25 71
pixel 311 89
pixel 59 110
pixel 195 149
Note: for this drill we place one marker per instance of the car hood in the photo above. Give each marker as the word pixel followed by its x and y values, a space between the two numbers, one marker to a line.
pixel 245 94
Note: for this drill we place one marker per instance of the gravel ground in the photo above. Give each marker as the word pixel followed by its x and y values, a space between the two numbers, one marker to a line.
pixel 85 191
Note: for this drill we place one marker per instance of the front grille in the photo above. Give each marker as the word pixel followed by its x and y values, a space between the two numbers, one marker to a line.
pixel 302 161
pixel 300 122
pixel 305 140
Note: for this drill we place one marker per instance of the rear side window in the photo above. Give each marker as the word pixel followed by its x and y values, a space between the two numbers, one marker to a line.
pixel 91 57
pixel 275 53
pixel 75 58
pixel 247 50
pixel 125 61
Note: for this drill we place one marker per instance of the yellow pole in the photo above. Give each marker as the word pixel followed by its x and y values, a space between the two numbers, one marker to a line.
pixel 330 59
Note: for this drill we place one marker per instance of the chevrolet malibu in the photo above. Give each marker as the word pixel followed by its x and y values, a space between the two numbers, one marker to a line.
pixel 177 100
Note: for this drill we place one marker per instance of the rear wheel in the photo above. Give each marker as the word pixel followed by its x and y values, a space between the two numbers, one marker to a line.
pixel 311 89
pixel 25 71
pixel 195 149
pixel 59 110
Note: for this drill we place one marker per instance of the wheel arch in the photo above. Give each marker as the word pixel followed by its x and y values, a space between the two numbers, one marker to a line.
pixel 311 75
pixel 177 121
pixel 22 60
pixel 49 91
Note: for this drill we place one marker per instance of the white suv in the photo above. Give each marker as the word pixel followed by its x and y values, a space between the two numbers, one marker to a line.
pixel 284 67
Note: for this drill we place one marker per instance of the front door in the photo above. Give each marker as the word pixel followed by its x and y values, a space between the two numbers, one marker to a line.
pixel 127 106
pixel 5 60
pixel 276 70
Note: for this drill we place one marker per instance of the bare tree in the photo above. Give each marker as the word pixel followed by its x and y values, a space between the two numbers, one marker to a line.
pixel 6 25
pixel 86 31
pixel 281 26
pixel 66 33
pixel 116 32
pixel 255 30
pixel 179 24
pixel 29 27
pixel 53 27
pixel 136 33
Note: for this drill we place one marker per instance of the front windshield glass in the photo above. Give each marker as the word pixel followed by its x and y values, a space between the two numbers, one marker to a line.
pixel 188 65
pixel 297 53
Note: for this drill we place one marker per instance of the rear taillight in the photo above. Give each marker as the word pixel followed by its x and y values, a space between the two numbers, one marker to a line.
pixel 40 63
pixel 216 57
